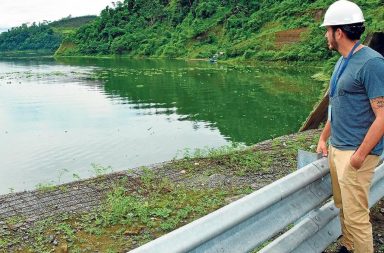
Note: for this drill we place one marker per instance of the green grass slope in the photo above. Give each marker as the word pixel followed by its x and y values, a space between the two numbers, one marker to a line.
pixel 69 25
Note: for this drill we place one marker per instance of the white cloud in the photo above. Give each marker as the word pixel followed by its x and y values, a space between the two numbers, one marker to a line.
pixel 16 12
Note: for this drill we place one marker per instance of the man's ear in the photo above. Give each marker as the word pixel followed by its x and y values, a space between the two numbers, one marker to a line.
pixel 339 33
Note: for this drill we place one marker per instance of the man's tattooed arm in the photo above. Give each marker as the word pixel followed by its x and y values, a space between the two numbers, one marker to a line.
pixel 377 103
pixel 374 135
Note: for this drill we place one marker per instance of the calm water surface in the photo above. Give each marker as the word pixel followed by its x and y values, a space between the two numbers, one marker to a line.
pixel 57 118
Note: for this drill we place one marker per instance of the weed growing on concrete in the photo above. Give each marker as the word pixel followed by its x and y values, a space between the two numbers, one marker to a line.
pixel 44 187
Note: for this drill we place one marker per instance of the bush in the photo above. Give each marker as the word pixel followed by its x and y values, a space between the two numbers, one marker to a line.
pixel 118 46
pixel 266 55
pixel 249 54
pixel 206 9
pixel 171 51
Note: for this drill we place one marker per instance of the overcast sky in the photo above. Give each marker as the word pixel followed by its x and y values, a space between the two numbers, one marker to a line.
pixel 16 12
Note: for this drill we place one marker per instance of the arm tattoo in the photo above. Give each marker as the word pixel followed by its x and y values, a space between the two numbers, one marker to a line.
pixel 378 103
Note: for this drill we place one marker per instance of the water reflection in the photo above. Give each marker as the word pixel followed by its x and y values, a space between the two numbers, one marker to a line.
pixel 247 104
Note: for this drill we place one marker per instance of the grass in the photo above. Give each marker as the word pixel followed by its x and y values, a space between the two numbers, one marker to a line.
pixel 45 187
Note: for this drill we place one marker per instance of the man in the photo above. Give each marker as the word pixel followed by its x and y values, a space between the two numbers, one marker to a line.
pixel 355 123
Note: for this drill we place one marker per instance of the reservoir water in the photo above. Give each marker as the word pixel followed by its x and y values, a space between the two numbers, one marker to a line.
pixel 61 120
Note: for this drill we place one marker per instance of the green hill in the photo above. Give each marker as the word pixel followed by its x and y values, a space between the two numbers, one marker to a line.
pixel 27 38
pixel 70 22
pixel 266 29
pixel 69 25
pixel 43 38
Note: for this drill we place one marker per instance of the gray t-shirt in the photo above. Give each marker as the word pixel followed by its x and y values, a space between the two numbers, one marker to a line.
pixel 352 115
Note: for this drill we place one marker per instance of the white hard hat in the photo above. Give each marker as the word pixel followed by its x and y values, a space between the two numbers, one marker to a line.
pixel 343 12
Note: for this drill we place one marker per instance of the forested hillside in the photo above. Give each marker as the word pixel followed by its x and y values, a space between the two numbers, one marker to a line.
pixel 43 37
pixel 264 29
pixel 241 29
pixel 34 37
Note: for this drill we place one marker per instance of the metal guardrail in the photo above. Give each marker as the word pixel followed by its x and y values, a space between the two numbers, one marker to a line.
pixel 248 223
pixel 315 232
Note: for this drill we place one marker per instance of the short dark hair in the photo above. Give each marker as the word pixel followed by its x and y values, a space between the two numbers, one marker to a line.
pixel 353 31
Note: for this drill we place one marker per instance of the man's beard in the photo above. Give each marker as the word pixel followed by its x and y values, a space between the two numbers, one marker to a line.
pixel 333 44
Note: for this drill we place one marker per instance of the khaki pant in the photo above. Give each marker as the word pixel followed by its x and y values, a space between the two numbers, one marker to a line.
pixel 350 193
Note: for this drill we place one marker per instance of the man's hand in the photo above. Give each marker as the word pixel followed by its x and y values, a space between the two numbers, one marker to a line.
pixel 356 161
pixel 322 148
pixel 322 144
